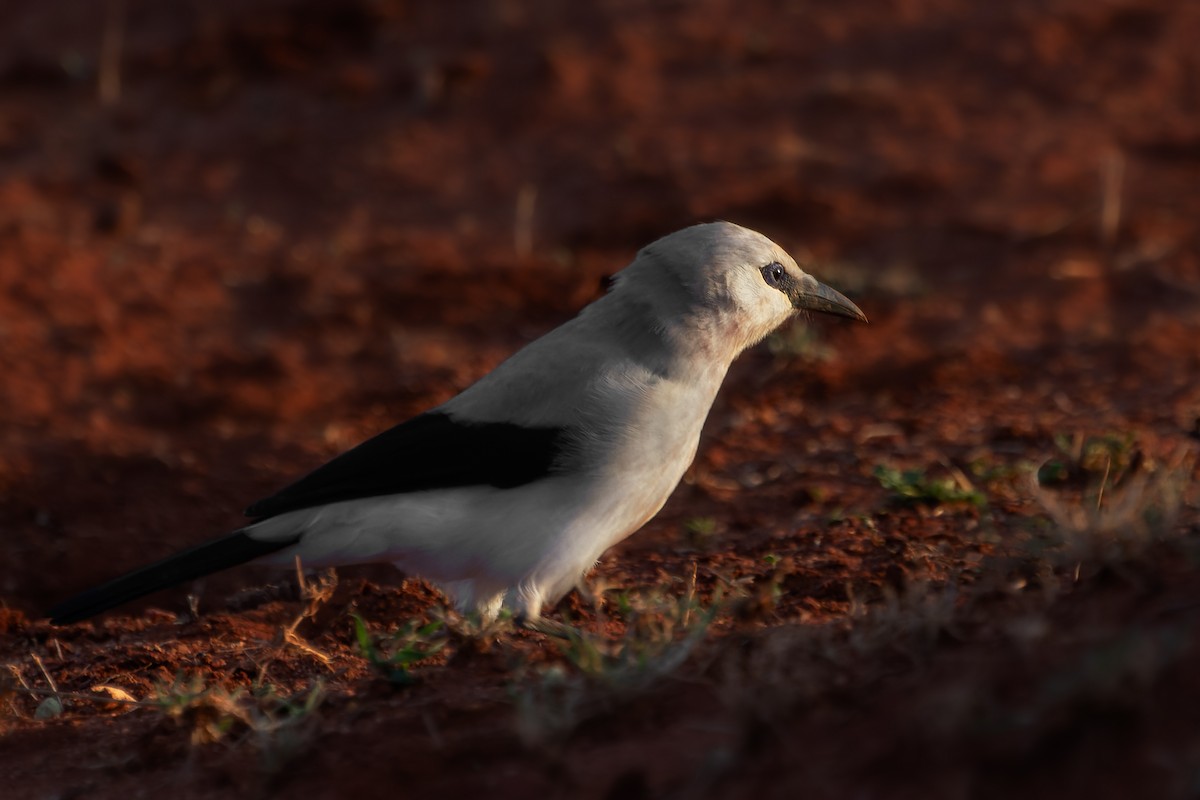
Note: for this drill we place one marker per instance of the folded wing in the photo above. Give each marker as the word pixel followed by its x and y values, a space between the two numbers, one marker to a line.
pixel 431 451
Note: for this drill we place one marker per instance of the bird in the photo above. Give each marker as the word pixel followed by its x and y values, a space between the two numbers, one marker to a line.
pixel 507 494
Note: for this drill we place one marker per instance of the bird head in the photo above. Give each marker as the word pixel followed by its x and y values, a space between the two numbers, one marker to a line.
pixel 729 285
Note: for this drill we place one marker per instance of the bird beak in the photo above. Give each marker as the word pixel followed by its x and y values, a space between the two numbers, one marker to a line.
pixel 812 295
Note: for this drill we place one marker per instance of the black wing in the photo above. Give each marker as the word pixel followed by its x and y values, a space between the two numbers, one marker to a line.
pixel 431 451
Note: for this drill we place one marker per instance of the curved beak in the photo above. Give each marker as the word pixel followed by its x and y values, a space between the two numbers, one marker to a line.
pixel 812 295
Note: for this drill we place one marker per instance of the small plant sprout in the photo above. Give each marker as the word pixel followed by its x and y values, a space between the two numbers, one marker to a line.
pixel 700 532
pixel 914 487
pixel 393 656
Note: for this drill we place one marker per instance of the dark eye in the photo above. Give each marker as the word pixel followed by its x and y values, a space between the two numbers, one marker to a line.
pixel 773 274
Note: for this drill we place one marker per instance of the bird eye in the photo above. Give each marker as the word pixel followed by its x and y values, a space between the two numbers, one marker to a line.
pixel 773 274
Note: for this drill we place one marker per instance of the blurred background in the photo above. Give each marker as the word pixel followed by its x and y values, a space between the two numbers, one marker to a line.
pixel 238 237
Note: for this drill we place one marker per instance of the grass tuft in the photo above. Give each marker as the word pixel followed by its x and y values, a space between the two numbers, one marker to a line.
pixel 1107 502
pixel 915 487
pixel 280 727
pixel 393 656
pixel 598 673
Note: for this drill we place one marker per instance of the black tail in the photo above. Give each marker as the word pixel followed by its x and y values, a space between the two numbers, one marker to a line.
pixel 205 559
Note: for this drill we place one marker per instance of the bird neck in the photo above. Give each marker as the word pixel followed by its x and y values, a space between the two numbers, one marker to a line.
pixel 667 338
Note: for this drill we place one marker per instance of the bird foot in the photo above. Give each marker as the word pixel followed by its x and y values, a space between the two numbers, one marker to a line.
pixel 545 626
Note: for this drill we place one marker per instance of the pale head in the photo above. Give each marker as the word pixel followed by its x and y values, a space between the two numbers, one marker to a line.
pixel 728 285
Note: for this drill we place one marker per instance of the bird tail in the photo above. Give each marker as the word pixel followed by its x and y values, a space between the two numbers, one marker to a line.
pixel 205 559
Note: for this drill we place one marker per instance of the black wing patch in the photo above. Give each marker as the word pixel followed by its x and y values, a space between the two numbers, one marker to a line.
pixel 431 451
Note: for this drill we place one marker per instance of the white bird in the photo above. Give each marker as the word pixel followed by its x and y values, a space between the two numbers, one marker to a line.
pixel 506 495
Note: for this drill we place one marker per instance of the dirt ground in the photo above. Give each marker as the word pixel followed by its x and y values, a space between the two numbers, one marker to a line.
pixel 954 553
